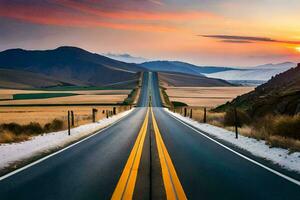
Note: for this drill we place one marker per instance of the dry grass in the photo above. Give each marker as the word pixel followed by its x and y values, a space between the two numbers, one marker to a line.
pixel 45 114
pixel 8 137
pixel 205 96
pixel 213 118
pixel 277 131
pixel 48 118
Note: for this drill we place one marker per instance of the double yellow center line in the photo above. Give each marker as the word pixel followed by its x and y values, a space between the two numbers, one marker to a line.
pixel 126 184
pixel 172 184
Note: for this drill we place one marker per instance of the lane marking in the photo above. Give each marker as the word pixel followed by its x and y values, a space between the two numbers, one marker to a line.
pixel 126 183
pixel 205 134
pixel 59 151
pixel 172 184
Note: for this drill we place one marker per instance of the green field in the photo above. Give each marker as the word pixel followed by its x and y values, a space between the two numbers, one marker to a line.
pixel 41 95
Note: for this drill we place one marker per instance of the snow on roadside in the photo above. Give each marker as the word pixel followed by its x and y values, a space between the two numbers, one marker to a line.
pixel 256 147
pixel 10 153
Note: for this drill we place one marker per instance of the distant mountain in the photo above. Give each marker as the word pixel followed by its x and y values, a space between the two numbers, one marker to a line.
pixel 258 73
pixel 280 95
pixel 70 65
pixel 284 66
pixel 125 58
pixel 188 80
pixel 182 67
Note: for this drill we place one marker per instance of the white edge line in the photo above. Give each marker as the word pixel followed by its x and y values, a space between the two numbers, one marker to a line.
pixel 239 154
pixel 59 151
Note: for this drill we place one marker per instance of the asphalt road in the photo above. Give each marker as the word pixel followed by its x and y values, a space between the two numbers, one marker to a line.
pixel 94 168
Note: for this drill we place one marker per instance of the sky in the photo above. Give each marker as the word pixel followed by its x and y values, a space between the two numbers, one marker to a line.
pixel 203 32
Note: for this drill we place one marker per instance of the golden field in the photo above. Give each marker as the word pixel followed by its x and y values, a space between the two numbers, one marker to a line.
pixel 45 114
pixel 205 96
pixel 82 97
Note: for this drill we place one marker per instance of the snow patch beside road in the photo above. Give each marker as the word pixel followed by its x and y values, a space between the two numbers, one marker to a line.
pixel 258 148
pixel 11 153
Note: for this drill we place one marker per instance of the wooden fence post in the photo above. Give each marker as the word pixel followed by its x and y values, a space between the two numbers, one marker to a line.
pixel 69 128
pixel 191 113
pixel 94 111
pixel 72 118
pixel 185 112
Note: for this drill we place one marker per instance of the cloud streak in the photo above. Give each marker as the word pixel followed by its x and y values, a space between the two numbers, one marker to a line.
pixel 46 15
pixel 247 39
pixel 114 14
pixel 121 13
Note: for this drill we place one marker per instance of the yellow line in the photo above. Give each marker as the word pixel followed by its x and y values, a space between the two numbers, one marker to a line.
pixel 126 184
pixel 172 184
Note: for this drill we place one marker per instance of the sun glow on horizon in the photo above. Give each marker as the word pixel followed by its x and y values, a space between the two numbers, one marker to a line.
pixel 297 49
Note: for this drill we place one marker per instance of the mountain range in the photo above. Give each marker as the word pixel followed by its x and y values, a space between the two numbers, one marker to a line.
pixel 72 66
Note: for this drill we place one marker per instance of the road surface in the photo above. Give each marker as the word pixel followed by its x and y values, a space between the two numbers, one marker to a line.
pixel 148 155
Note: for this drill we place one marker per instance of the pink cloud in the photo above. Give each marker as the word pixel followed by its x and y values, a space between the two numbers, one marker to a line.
pixel 59 17
pixel 100 14
pixel 144 15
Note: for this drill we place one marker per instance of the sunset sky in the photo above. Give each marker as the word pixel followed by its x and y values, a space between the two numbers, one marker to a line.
pixel 204 32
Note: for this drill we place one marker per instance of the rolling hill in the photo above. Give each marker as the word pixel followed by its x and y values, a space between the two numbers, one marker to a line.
pixel 182 67
pixel 280 95
pixel 188 80
pixel 27 80
pixel 68 65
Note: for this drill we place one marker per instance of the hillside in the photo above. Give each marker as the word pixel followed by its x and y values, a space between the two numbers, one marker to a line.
pixel 181 67
pixel 70 65
pixel 187 80
pixel 27 80
pixel 280 95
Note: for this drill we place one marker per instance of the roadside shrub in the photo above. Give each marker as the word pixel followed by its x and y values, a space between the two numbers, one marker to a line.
pixel 286 126
pixel 178 103
pixel 33 128
pixel 9 137
pixel 12 127
pixel 55 125
pixel 243 118
pixel 13 132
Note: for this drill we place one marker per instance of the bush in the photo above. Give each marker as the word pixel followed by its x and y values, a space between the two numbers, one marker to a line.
pixel 32 128
pixel 14 132
pixel 55 125
pixel 242 118
pixel 178 104
pixel 12 127
pixel 286 126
